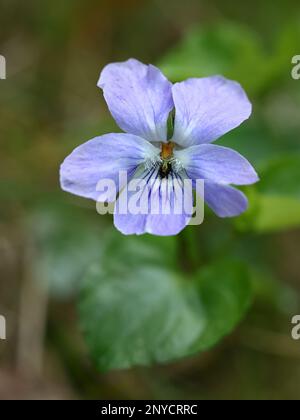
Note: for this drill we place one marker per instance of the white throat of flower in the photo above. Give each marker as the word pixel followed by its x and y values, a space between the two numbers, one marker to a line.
pixel 164 160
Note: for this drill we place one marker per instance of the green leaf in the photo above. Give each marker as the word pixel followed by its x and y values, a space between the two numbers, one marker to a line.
pixel 225 291
pixel 232 50
pixel 225 48
pixel 137 308
pixel 256 142
pixel 275 201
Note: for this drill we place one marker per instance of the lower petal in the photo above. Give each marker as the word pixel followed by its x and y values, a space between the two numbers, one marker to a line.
pixel 180 202
pixel 224 200
pixel 164 209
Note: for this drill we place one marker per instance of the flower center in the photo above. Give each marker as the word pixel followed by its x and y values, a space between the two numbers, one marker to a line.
pixel 167 158
pixel 165 162
pixel 167 150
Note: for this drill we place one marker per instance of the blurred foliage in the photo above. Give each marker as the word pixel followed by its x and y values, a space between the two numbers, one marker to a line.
pixel 63 252
pixel 147 300
pixel 137 309
pixel 226 49
pixel 275 202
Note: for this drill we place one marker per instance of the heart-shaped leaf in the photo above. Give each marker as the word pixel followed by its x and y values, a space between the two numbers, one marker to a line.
pixel 137 308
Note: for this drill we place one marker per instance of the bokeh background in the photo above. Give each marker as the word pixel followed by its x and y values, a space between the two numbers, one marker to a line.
pixel 70 332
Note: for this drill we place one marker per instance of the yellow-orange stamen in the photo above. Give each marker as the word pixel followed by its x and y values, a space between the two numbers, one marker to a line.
pixel 167 150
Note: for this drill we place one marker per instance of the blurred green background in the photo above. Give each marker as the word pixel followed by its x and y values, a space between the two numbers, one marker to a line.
pixel 92 314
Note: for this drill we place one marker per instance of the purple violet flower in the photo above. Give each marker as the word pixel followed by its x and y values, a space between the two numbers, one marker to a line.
pixel 140 99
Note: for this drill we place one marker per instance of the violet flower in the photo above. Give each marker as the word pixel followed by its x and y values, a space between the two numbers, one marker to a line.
pixel 140 99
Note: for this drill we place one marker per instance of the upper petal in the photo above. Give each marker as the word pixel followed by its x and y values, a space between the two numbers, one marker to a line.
pixel 103 158
pixel 139 97
pixel 207 108
pixel 217 163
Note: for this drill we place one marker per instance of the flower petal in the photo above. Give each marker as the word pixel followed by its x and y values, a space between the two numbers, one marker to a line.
pixel 224 200
pixel 217 163
pixel 103 158
pixel 207 108
pixel 164 210
pixel 139 97
pixel 171 194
